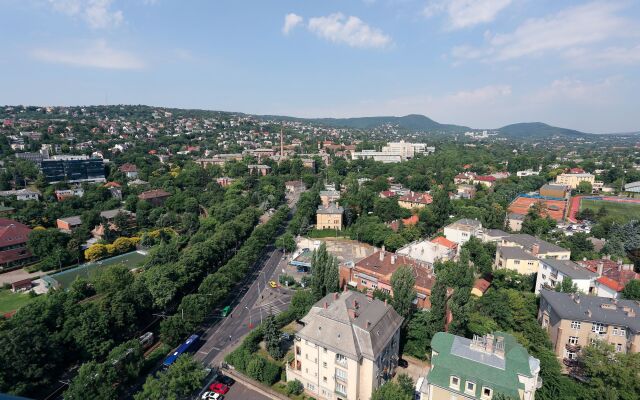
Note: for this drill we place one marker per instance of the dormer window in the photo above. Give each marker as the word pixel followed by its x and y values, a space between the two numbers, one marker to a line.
pixel 470 388
pixel 487 393
pixel 454 382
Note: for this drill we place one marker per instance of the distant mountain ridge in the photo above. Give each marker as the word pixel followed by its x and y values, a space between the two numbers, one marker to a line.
pixel 417 122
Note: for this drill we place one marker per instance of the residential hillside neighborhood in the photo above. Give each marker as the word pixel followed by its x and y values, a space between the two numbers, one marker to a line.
pixel 148 251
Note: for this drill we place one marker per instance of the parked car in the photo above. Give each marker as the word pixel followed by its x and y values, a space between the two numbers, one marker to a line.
pixel 225 380
pixel 211 396
pixel 219 387
pixel 273 284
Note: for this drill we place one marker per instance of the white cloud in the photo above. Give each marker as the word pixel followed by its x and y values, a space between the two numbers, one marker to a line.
pixel 576 91
pixel 608 56
pixel 580 26
pixel 351 31
pixel 466 13
pixel 97 55
pixel 291 20
pixel 98 14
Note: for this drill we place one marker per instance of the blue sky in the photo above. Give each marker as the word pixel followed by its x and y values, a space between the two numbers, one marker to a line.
pixel 482 63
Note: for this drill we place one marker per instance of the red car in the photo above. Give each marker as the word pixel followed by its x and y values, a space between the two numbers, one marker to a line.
pixel 219 388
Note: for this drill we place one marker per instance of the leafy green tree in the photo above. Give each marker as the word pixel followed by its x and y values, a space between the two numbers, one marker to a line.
pixel 632 290
pixel 286 242
pixel 584 187
pixel 294 388
pixel 567 286
pixel 403 284
pixel 442 207
pixel 331 275
pixel 318 267
pixel 180 380
pixel 390 391
pixel 610 375
pixel 406 384
pixel 95 381
pixel 272 337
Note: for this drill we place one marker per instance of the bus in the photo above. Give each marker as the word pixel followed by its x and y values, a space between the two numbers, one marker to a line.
pixel 183 348
pixel 225 311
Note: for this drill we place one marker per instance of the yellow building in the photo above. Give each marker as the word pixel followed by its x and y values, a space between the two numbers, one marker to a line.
pixel 573 180
pixel 348 347
pixel 329 217
pixel 522 252
pixel 574 321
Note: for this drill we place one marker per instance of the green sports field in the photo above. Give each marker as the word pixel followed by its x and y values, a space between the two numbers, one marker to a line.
pixel 10 301
pixel 626 210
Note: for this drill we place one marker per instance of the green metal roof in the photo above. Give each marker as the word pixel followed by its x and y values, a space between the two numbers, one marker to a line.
pixel 455 358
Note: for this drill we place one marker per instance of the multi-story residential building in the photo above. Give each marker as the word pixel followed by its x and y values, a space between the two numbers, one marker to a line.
pixel 375 271
pixel 480 368
pixel 427 251
pixel 486 180
pixel 573 180
pixel 329 216
pixel 347 348
pixel 406 150
pixel 612 276
pixel 259 169
pixel 13 244
pixel 380 156
pixel 553 272
pixel 329 196
pixel 537 247
pixel 516 259
pixel 68 193
pixel 522 252
pixel 413 200
pixel 574 321
pixel 462 230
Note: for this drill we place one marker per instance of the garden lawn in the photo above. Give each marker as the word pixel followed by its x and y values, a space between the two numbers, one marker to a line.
pixel 626 210
pixel 10 301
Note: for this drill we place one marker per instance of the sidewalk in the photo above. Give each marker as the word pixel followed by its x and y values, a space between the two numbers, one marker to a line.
pixel 18 275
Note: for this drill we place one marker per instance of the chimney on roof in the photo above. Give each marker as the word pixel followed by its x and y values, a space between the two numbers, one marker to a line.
pixel 535 249
pixel 368 324
pixel 619 264
pixel 335 295
pixel 489 343
pixel 326 305
pixel 355 304
pixel 393 259
pixel 588 312
pixel 600 268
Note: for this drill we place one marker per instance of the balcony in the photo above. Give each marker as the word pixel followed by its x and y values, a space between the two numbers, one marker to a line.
pixel 341 360
pixel 574 348
pixel 570 363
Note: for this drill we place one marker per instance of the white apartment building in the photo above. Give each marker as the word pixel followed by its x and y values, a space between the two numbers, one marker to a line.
pixel 407 150
pixel 552 272
pixel 462 230
pixel 348 347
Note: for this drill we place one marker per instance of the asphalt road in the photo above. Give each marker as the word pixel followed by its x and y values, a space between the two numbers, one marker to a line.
pixel 240 392
pixel 252 304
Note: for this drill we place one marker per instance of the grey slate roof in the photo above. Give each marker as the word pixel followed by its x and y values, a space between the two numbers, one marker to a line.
pixel 569 268
pixel 567 308
pixel 527 241
pixel 332 208
pixel 335 328
pixel 515 253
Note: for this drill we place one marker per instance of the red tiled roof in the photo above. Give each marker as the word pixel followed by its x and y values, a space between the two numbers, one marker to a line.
pixel 383 269
pixel 485 178
pixel 417 197
pixel 482 285
pixel 13 232
pixel 153 194
pixel 441 240
pixel 128 168
pixel 617 286
pixel 387 193
pixel 412 220
pixel 112 184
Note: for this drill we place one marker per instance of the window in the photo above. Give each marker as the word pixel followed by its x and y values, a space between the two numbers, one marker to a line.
pixel 341 374
pixel 487 393
pixel 324 379
pixel 324 349
pixel 619 348
pixel 340 359
pixel 364 282
pixel 516 262
pixel 570 355
pixel 324 364
pixel 597 327
pixel 470 387
pixel 311 387
pixel 340 388
pixel 575 325
pixel 573 340
pixel 529 262
pixel 454 382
